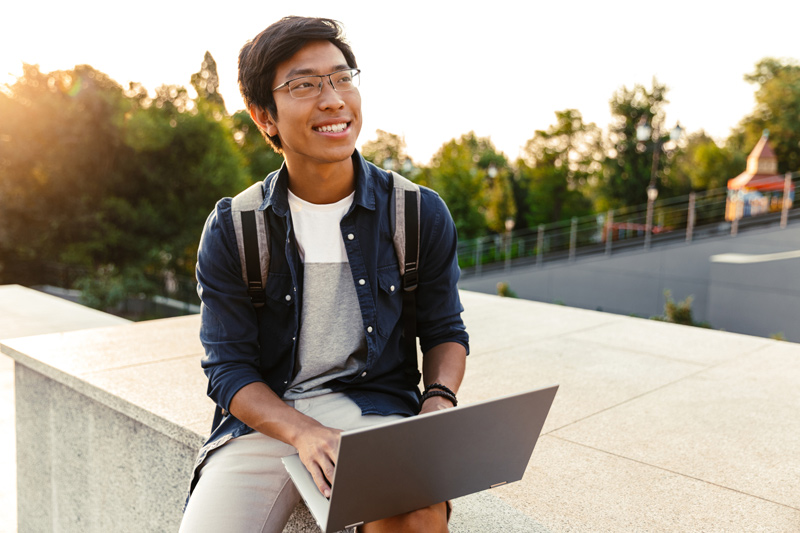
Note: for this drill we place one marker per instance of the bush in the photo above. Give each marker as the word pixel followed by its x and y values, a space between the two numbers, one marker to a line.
pixel 679 312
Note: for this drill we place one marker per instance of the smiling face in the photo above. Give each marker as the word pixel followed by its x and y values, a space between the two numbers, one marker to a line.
pixel 319 130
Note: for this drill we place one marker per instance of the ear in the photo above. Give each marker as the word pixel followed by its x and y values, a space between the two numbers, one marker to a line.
pixel 263 119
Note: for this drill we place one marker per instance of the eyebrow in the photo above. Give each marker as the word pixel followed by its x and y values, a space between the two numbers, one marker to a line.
pixel 295 72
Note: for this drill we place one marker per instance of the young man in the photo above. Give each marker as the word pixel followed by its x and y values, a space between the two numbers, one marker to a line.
pixel 325 352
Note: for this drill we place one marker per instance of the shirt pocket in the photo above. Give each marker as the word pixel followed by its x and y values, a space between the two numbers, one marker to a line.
pixel 280 291
pixel 277 321
pixel 390 299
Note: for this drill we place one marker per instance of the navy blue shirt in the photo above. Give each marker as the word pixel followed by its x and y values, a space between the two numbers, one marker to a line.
pixel 245 345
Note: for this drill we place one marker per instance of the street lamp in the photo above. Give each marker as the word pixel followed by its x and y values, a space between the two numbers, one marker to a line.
pixel 492 171
pixel 509 229
pixel 644 132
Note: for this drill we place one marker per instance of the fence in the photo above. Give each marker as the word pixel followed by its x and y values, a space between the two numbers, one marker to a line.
pixel 683 218
pixel 165 294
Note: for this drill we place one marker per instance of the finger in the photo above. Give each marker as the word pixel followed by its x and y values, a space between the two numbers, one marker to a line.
pixel 327 467
pixel 321 482
pixel 328 471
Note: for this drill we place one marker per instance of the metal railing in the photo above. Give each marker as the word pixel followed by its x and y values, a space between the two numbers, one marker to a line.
pixel 683 218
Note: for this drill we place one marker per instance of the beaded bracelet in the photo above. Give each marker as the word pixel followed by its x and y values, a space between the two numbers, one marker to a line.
pixel 440 387
pixel 430 393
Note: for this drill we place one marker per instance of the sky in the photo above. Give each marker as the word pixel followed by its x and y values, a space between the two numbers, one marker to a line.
pixel 432 71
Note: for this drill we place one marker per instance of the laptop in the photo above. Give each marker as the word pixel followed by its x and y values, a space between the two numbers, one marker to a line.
pixel 393 468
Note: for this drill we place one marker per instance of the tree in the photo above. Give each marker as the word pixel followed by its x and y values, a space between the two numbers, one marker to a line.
pixel 60 150
pixel 777 110
pixel 702 164
pixel 109 181
pixel 556 166
pixel 627 167
pixel 500 202
pixel 389 151
pixel 184 158
pixel 459 172
pixel 259 158
pixel 206 81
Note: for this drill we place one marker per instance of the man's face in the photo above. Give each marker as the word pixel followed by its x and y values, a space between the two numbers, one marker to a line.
pixel 321 129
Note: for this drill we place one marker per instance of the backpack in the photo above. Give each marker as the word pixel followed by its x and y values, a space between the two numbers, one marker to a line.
pixel 252 240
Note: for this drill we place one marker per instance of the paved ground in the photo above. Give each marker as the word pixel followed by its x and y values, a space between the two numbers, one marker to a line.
pixel 656 427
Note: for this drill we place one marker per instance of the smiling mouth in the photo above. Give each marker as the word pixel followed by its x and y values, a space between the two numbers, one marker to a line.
pixel 333 128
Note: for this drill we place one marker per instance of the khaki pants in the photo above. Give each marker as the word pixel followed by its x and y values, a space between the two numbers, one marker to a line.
pixel 243 486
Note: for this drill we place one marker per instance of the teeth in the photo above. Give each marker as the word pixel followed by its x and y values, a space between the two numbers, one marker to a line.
pixel 333 128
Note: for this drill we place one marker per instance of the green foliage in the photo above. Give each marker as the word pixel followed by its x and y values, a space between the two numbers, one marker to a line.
pixel 702 164
pixel 460 174
pixel 389 151
pixel 113 182
pixel 206 82
pixel 778 336
pixel 109 287
pixel 627 166
pixel 679 312
pixel 500 204
pixel 170 187
pixel 117 182
pixel 504 290
pixel 557 165
pixel 777 110
pixel 61 149
pixel 259 158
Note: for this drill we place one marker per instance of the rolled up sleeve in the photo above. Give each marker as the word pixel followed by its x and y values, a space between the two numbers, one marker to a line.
pixel 438 304
pixel 229 328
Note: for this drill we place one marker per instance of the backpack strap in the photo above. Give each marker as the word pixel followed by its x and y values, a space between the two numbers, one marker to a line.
pixel 406 212
pixel 252 239
pixel 406 202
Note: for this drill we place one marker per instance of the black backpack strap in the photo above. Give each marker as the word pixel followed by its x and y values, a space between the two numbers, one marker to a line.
pixel 406 204
pixel 252 240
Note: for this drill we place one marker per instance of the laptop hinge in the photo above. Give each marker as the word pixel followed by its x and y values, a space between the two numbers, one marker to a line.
pixel 498 484
pixel 355 525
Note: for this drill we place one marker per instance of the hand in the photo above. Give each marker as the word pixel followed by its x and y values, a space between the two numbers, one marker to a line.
pixel 435 403
pixel 318 446
pixel 260 408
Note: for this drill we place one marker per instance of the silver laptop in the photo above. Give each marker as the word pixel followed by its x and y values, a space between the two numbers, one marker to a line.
pixel 408 464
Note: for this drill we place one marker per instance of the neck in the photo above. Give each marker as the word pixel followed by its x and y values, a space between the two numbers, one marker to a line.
pixel 322 184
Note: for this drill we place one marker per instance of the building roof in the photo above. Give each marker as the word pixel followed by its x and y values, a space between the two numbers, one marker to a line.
pixel 759 182
pixel 762 170
pixel 763 149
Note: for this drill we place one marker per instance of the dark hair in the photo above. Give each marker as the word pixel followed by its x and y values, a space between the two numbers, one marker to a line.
pixel 259 58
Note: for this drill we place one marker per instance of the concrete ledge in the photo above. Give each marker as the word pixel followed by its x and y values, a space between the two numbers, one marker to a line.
pixel 656 427
pixel 121 367
pixel 84 466
pixel 28 312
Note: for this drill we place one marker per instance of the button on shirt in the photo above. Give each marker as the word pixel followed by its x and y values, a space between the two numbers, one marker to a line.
pixel 245 345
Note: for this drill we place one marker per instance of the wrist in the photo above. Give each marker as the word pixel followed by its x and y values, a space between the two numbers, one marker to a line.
pixel 440 393
pixel 434 403
pixel 292 427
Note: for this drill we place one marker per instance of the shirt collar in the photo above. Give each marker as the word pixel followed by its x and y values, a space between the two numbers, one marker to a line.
pixel 276 190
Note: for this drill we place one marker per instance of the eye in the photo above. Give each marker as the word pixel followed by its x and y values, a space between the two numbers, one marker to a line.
pixel 302 84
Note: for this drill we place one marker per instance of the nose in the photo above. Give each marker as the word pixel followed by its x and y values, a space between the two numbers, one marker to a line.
pixel 329 97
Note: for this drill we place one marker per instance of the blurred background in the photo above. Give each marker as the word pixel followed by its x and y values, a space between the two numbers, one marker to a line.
pixel 121 125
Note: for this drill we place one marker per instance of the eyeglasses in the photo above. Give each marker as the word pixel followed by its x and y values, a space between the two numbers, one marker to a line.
pixel 309 86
